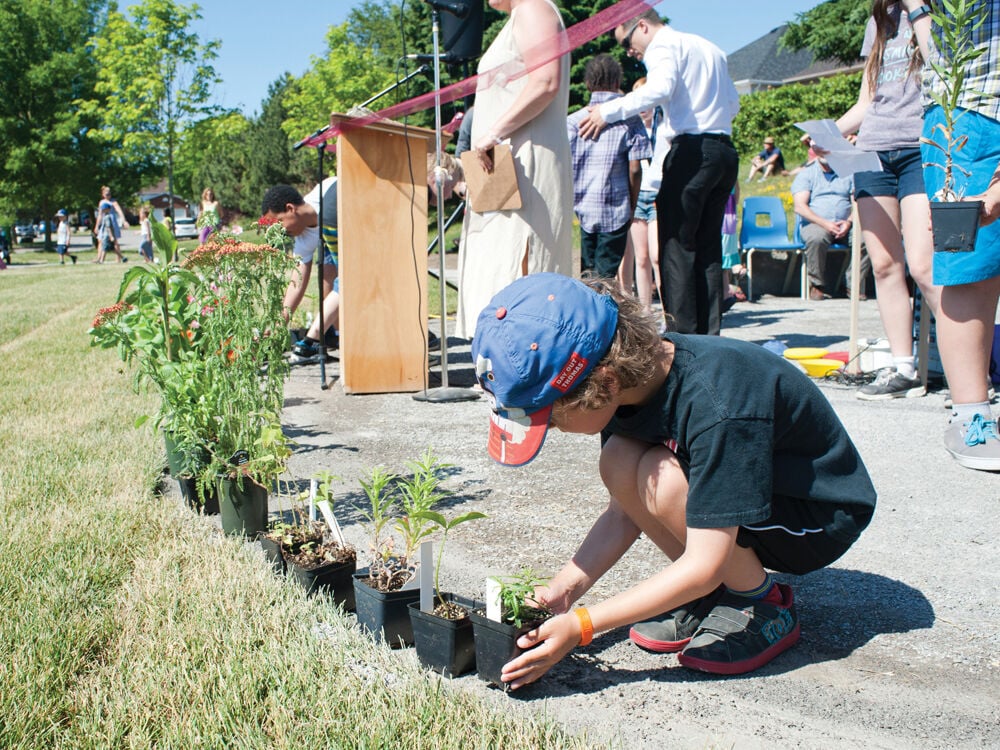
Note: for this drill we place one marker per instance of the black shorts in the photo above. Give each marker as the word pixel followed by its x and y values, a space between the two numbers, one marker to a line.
pixel 804 535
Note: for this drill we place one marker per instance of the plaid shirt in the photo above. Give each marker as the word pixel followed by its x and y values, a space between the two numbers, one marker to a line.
pixel 601 168
pixel 981 91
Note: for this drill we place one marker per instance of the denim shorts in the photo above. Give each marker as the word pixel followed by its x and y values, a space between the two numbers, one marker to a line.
pixel 902 175
pixel 645 207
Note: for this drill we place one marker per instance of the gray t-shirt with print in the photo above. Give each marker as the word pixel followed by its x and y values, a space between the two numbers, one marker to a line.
pixel 895 117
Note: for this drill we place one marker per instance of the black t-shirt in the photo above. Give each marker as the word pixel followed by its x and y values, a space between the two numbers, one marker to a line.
pixel 747 425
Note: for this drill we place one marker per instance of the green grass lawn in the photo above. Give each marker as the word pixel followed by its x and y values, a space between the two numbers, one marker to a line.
pixel 127 620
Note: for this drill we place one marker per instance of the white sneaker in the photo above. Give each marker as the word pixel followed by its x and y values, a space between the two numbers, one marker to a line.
pixel 974 444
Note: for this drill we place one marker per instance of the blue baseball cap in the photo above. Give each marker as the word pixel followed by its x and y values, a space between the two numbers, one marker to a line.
pixel 535 342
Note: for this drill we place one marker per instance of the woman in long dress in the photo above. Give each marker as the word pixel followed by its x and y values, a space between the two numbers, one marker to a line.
pixel 528 111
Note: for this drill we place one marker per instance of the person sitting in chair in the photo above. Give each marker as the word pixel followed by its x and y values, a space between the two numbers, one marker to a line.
pixel 823 201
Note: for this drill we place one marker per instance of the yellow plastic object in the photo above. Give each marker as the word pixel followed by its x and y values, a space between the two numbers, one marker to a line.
pixel 819 368
pixel 805 352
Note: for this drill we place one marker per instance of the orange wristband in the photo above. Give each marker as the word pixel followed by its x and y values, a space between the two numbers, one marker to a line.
pixel 586 626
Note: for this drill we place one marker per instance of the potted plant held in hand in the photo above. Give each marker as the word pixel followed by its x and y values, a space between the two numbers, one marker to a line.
pixel 496 640
pixel 443 637
pixel 955 222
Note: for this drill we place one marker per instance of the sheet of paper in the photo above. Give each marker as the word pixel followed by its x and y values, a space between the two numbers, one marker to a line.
pixel 844 157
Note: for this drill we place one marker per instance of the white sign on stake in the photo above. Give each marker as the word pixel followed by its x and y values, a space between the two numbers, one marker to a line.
pixel 493 600
pixel 313 487
pixel 331 520
pixel 427 576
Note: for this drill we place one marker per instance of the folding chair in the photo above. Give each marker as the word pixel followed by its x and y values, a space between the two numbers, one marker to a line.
pixel 837 246
pixel 765 228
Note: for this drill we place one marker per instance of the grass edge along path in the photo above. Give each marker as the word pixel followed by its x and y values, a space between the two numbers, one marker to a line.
pixel 129 622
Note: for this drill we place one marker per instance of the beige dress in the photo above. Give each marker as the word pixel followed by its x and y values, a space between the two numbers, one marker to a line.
pixel 494 243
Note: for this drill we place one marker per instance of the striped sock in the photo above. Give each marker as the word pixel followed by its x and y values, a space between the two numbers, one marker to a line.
pixel 760 592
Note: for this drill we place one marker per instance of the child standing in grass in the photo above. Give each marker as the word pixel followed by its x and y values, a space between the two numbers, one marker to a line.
pixel 677 423
pixel 63 238
pixel 145 235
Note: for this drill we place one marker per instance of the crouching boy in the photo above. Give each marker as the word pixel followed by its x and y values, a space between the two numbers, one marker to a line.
pixel 727 457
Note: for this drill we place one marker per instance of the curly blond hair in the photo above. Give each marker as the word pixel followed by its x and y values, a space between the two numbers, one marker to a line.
pixel 632 357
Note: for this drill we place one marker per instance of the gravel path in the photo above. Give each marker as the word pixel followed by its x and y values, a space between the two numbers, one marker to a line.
pixel 901 638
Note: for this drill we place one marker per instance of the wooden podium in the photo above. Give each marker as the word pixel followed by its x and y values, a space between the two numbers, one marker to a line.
pixel 382 241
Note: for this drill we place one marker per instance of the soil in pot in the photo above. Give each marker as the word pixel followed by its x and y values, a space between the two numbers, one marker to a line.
pixel 243 508
pixel 284 538
pixel 496 644
pixel 385 614
pixel 444 638
pixel 955 225
pixel 326 568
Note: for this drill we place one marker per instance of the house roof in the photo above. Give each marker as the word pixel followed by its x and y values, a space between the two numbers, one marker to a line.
pixel 764 62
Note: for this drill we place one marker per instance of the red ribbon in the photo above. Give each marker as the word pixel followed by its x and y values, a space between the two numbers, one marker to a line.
pixel 575 36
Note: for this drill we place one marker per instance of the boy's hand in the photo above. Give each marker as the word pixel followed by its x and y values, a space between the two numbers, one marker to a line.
pixel 546 645
pixel 552 599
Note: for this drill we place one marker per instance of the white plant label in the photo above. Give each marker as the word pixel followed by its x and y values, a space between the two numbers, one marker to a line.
pixel 313 489
pixel 492 600
pixel 427 576
pixel 331 520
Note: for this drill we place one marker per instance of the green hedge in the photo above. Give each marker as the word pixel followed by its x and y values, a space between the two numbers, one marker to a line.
pixel 774 112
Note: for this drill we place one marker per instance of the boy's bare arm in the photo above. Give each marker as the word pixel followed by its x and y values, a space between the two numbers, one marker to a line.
pixel 608 539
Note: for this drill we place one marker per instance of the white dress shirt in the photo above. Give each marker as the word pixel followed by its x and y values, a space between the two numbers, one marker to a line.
pixel 688 76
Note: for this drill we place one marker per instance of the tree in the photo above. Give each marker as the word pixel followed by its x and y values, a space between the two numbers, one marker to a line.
pixel 45 71
pixel 154 77
pixel 833 30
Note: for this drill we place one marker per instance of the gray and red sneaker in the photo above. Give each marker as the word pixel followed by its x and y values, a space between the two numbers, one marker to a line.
pixel 672 630
pixel 740 635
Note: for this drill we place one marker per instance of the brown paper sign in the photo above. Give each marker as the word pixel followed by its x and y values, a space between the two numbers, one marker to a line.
pixel 492 191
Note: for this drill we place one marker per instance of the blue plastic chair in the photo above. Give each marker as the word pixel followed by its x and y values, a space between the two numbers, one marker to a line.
pixel 765 229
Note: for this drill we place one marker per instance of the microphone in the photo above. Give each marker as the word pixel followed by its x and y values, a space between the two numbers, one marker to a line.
pixel 445 58
pixel 458 9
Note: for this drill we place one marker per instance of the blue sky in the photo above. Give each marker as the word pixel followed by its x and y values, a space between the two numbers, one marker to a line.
pixel 261 39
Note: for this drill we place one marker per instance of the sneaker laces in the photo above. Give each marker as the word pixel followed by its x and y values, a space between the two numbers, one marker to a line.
pixel 979 430
pixel 885 376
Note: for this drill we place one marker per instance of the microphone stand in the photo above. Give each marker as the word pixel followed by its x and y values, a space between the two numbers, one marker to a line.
pixel 441 394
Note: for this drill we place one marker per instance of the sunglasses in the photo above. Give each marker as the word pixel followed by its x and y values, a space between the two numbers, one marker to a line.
pixel 627 39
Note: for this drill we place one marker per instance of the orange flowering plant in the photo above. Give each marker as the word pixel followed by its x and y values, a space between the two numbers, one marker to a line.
pixel 154 323
pixel 242 337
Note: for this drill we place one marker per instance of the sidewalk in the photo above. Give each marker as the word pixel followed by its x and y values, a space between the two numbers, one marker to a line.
pixel 901 638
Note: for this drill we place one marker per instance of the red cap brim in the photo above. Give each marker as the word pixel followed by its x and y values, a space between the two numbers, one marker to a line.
pixel 516 437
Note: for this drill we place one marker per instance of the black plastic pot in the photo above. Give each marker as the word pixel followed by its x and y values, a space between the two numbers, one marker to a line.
pixel 243 509
pixel 446 646
pixel 955 226
pixel 208 505
pixel 272 553
pixel 334 579
pixel 496 644
pixel 384 614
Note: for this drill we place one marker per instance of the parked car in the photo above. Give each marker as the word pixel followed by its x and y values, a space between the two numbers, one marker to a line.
pixel 185 229
pixel 24 233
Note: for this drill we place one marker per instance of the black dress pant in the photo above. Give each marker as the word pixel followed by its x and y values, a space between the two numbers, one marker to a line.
pixel 698 174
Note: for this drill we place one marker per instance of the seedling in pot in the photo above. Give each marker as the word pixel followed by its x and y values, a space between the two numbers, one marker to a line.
pixel 448 610
pixel 517 603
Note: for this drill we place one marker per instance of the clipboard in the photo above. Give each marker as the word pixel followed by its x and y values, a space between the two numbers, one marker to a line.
pixel 492 191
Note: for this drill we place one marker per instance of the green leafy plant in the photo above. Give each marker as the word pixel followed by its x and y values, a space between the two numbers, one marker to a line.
pixel 446 525
pixel 517 606
pixel 378 485
pixel 954 24
pixel 418 493
pixel 241 294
